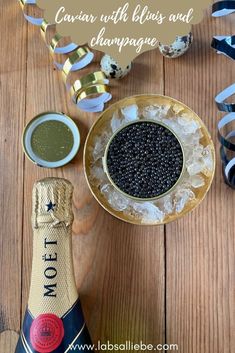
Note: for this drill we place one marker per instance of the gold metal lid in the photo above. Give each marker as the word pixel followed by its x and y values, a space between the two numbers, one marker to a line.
pixel 51 140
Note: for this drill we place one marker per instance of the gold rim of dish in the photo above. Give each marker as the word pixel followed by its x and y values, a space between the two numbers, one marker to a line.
pixel 143 101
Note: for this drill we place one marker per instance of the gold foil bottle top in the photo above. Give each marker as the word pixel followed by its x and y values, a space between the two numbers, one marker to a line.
pixel 52 203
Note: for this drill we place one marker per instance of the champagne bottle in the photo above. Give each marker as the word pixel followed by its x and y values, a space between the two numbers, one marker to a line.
pixel 53 320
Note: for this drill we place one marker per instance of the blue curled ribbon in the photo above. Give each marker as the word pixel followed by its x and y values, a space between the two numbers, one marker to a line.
pixel 223 8
pixel 225 45
pixel 225 140
pixel 228 165
pixel 221 98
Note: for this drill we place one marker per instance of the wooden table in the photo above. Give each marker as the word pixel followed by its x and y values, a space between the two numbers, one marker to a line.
pixel 173 284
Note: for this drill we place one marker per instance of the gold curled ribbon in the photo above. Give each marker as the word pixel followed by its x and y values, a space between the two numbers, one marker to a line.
pixel 87 86
pixel 96 89
pixel 76 58
pixel 44 29
pixel 23 3
pixel 55 41
pixel 86 81
pixel 54 45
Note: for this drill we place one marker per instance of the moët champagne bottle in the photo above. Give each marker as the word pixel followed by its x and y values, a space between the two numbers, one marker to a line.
pixel 53 320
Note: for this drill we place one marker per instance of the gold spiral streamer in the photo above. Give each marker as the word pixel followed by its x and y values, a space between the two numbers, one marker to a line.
pixel 92 91
pixel 53 43
pixel 75 58
pixel 86 81
pixel 94 84
pixel 45 26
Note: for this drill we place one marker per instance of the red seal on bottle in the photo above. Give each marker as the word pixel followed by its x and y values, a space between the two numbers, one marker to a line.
pixel 46 333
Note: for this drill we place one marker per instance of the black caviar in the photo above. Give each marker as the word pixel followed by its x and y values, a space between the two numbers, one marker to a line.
pixel 145 160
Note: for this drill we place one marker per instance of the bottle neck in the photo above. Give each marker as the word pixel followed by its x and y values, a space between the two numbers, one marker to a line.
pixel 53 288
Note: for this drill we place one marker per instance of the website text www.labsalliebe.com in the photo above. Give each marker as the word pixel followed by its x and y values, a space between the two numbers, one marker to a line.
pixel 127 346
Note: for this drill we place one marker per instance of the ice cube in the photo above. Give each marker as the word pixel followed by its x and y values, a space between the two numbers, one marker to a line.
pixel 177 108
pixel 116 122
pixel 155 112
pixel 175 126
pixel 208 158
pixel 98 174
pixel 98 150
pixel 189 126
pixel 182 197
pixel 148 212
pixel 130 113
pixel 196 167
pixel 191 140
pixel 168 205
pixel 151 112
pixel 100 145
pixel 116 200
pixel 197 181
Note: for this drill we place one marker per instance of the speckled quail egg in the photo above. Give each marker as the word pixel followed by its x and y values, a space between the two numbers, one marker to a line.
pixel 112 69
pixel 178 48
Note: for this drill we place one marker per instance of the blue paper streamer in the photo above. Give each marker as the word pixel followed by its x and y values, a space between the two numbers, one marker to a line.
pixel 225 45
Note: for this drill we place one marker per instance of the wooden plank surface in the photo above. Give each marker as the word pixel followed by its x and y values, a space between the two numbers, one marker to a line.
pixel 8 341
pixel 12 111
pixel 171 284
